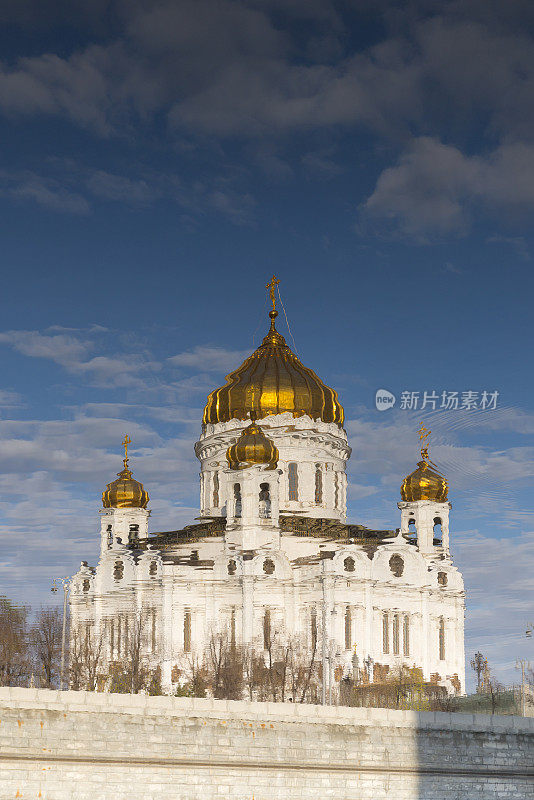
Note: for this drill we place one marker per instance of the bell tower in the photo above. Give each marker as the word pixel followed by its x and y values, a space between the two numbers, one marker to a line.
pixel 424 507
pixel 124 516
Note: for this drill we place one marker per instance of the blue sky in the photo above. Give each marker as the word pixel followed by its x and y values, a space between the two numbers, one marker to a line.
pixel 161 160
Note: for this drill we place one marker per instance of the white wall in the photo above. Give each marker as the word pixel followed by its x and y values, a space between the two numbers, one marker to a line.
pixel 87 746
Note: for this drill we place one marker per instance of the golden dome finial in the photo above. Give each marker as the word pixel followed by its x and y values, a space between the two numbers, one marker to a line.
pixel 125 442
pixel 273 313
pixel 424 435
pixel 125 491
pixel 426 482
pixel 271 287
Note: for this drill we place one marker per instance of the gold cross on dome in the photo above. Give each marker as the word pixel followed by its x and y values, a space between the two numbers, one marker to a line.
pixel 271 287
pixel 424 435
pixel 126 441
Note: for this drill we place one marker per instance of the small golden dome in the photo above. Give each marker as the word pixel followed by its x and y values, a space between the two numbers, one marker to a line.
pixel 272 381
pixel 125 491
pixel 426 482
pixel 252 447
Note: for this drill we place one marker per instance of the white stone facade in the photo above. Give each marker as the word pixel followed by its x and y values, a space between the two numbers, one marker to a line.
pixel 395 599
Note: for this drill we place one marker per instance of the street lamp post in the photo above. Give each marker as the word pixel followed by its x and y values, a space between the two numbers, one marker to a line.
pixel 65 582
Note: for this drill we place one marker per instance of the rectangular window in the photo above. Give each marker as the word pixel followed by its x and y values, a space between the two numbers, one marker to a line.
pixel 314 628
pixel 215 490
pixel 318 485
pixel 348 628
pixel 396 636
pixel 187 631
pixel 385 632
pixel 442 639
pixel 406 636
pixel 293 481
pixel 267 630
pixel 232 628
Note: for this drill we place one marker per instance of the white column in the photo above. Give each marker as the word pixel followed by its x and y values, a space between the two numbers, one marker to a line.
pixel 425 634
pixel 368 635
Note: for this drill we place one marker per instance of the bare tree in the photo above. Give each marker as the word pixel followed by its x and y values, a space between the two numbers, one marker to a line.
pixel 131 673
pixel 224 662
pixel 85 658
pixel 46 642
pixel 283 670
pixel 15 661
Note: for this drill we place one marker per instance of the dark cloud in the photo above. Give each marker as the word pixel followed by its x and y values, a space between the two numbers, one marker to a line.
pixel 432 79
pixel 434 188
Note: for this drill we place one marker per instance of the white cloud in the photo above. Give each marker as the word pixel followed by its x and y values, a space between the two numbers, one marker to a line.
pixel 209 358
pixel 74 354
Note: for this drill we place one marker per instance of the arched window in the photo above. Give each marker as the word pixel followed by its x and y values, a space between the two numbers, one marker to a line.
pixel 153 568
pixel 349 564
pixel 86 585
pixel 237 500
pixel 313 620
pixel 187 631
pixel 265 501
pixel 268 566
pixel 133 534
pixel 318 484
pixel 442 639
pixel 267 630
pixel 385 632
pixel 437 529
pixel 348 628
pixel 118 570
pixel 406 636
pixel 396 565
pixel 215 490
pixel 336 490
pixel 411 527
pixel 293 481
pixel 110 536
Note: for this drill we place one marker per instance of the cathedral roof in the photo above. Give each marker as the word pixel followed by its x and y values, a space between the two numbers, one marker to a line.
pixel 425 482
pixel 273 381
pixel 252 447
pixel 125 491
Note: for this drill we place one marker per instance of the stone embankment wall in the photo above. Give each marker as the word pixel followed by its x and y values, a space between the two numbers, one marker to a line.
pixel 88 746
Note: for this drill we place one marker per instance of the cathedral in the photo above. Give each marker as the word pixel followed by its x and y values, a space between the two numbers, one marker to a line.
pixel 272 549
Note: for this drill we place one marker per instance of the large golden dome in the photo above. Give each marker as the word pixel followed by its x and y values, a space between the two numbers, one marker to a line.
pixel 125 491
pixel 252 447
pixel 425 482
pixel 272 381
